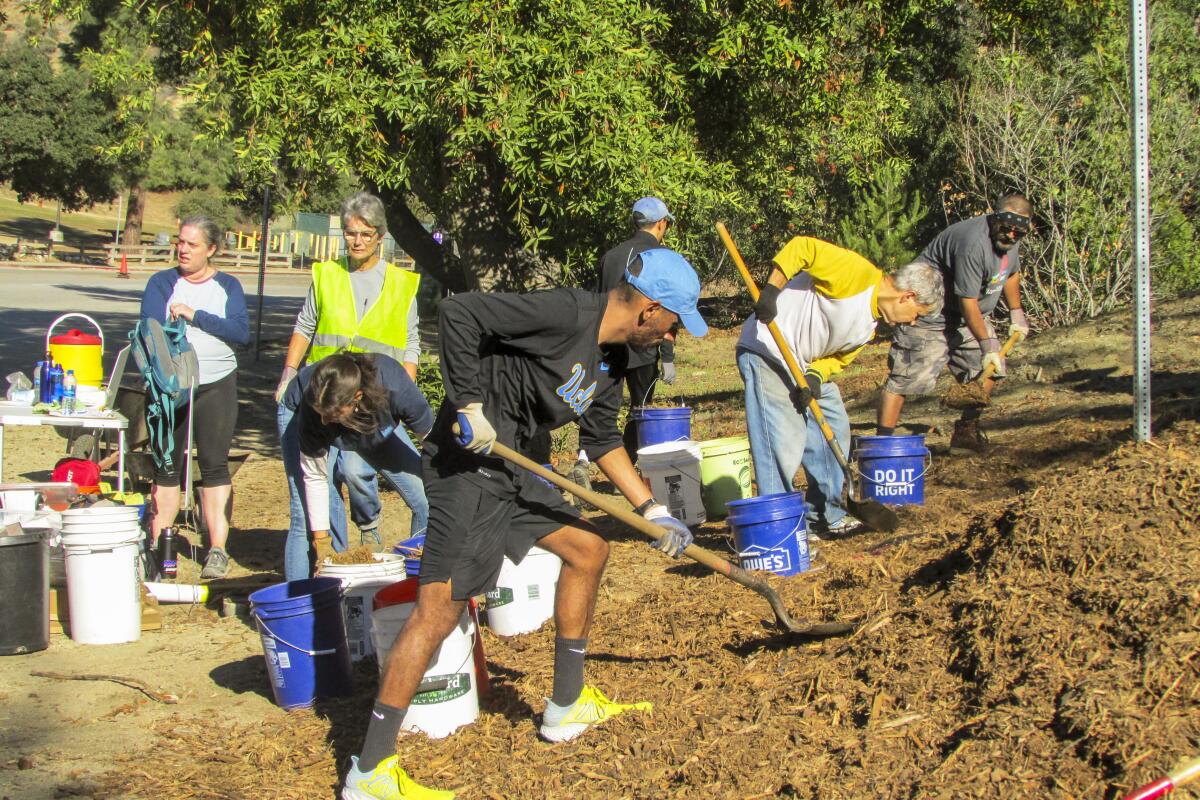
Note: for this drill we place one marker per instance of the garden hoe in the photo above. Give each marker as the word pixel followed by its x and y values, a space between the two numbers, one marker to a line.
pixel 972 394
pixel 698 554
pixel 871 513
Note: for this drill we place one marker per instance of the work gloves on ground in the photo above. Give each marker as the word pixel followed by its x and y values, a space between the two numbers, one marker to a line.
pixel 803 394
pixel 767 307
pixel 668 372
pixel 991 355
pixel 474 431
pixel 1018 323
pixel 285 380
pixel 677 536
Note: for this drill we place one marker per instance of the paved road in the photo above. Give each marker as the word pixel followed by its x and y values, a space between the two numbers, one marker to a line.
pixel 31 299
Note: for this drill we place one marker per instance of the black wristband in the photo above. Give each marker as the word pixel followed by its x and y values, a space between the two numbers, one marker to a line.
pixel 644 507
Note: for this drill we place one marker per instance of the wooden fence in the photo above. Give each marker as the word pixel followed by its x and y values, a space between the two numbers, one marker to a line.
pixel 151 255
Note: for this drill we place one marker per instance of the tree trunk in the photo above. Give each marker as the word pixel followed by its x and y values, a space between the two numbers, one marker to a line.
pixel 133 215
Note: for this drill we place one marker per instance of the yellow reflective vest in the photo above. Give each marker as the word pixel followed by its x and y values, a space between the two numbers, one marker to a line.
pixel 383 329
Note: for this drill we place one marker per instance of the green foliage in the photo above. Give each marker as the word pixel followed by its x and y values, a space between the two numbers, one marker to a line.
pixel 1063 138
pixel 429 381
pixel 210 203
pixel 52 131
pixel 884 224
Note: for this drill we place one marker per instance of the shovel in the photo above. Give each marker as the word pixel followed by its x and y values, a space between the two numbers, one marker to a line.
pixel 872 513
pixel 698 554
pixel 972 394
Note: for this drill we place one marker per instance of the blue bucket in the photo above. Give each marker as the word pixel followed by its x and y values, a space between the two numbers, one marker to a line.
pixel 661 425
pixel 304 640
pixel 770 532
pixel 892 469
pixel 411 549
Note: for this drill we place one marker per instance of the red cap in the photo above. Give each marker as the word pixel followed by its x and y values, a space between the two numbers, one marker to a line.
pixel 75 336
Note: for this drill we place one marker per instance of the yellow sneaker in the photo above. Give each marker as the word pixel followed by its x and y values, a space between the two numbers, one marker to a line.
pixel 387 782
pixel 563 724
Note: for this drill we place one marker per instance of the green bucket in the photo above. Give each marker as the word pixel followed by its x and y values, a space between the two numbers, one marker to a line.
pixel 725 471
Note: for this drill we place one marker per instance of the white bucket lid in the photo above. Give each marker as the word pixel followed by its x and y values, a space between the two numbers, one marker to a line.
pixel 666 452
pixel 99 512
pixel 385 564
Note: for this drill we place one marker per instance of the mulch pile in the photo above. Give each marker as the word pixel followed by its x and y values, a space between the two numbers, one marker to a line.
pixel 1047 649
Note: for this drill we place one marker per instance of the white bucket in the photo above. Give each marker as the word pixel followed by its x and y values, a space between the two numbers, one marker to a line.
pixel 524 595
pixel 104 587
pixel 438 712
pixel 360 582
pixel 672 469
pixel 94 513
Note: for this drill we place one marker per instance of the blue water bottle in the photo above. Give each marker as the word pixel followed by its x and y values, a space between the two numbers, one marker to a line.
pixel 45 391
pixel 37 381
pixel 56 383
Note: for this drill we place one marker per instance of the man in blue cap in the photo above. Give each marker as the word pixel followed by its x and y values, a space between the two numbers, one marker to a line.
pixel 652 219
pixel 515 365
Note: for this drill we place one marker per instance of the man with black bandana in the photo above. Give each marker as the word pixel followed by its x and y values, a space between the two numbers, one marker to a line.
pixel 980 260
pixel 516 365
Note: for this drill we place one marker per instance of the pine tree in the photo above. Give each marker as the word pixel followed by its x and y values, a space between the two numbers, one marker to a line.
pixel 886 221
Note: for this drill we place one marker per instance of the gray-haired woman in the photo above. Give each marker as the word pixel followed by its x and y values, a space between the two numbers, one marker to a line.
pixel 360 303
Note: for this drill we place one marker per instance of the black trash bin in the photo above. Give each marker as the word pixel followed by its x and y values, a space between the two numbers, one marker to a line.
pixel 24 594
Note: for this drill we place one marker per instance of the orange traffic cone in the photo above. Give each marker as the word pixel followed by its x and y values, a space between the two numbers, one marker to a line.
pixel 124 273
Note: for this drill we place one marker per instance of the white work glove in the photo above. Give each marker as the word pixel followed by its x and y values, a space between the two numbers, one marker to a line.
pixel 668 372
pixel 285 380
pixel 474 431
pixel 1018 323
pixel 991 355
pixel 677 536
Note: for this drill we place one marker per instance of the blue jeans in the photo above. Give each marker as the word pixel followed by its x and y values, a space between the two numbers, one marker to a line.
pixel 349 468
pixel 782 439
pixel 398 462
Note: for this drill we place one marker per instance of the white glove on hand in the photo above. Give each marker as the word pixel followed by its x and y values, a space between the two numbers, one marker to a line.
pixel 474 431
pixel 285 380
pixel 1018 323
pixel 677 536
pixel 991 355
pixel 668 372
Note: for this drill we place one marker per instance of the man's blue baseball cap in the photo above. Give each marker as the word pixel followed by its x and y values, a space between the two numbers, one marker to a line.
pixel 649 210
pixel 668 279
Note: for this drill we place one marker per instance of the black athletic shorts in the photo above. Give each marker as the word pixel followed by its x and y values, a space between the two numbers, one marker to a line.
pixel 471 530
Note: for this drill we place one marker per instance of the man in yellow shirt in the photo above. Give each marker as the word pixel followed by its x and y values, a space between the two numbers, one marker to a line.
pixel 827 302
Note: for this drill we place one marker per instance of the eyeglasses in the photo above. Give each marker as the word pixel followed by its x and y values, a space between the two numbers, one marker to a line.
pixel 1011 230
pixel 353 234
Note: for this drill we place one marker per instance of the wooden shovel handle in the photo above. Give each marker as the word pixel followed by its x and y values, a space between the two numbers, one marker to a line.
pixel 1009 344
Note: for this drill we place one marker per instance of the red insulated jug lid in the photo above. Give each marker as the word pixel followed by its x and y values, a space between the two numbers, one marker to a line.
pixel 75 336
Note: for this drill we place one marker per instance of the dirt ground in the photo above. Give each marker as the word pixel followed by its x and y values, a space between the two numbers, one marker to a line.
pixel 1032 630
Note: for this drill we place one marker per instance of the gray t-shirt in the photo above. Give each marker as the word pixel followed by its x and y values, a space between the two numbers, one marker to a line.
pixel 366 286
pixel 971 268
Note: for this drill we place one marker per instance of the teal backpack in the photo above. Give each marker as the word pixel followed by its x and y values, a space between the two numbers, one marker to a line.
pixel 168 364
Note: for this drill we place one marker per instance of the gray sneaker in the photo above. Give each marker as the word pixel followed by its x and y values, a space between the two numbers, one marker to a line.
pixel 216 565
pixel 369 536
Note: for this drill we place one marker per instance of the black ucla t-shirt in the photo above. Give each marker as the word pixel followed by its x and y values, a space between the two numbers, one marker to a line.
pixel 534 362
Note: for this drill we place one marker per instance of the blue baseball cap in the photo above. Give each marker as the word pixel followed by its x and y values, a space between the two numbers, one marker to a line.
pixel 668 279
pixel 649 210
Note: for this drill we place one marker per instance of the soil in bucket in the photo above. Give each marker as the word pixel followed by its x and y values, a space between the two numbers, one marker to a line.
pixel 659 425
pixel 304 640
pixel 672 471
pixel 891 469
pixel 524 595
pixel 448 696
pixel 24 594
pixel 770 532
pixel 104 583
pixel 726 471
pixel 360 582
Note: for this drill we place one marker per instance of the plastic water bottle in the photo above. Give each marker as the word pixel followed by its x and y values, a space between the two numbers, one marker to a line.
pixel 56 381
pixel 37 381
pixel 68 390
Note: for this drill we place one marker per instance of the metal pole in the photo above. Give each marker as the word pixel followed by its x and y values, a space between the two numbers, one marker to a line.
pixel 1139 58
pixel 262 266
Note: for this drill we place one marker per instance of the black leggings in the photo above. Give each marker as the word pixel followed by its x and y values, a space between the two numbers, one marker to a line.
pixel 214 416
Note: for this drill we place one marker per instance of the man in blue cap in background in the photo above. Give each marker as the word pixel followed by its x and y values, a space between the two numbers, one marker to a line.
pixel 651 218
pixel 514 366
